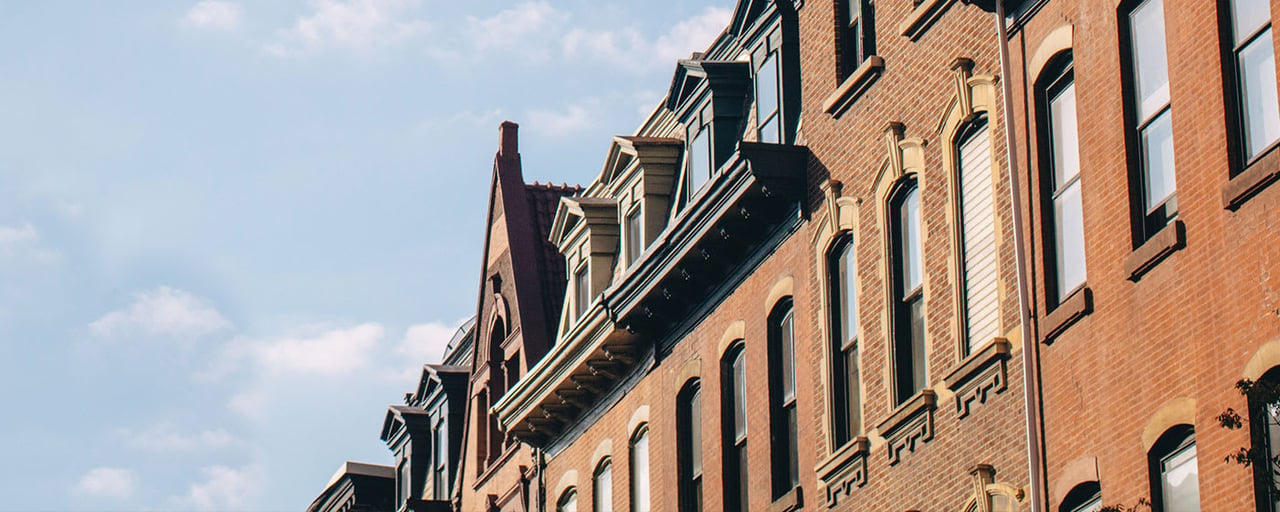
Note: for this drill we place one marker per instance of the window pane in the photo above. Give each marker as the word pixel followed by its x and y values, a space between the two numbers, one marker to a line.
pixel 767 99
pixel 1258 83
pixel 634 235
pixel 604 489
pixel 740 396
pixel 793 453
pixel 1066 139
pixel 848 301
pixel 1157 152
pixel 1151 67
pixel 1179 479
pixel 1247 16
pixel 912 267
pixel 788 359
pixel 1094 505
pixel 569 503
pixel 640 473
pixel 1272 442
pixel 743 485
pixel 853 391
pixel 917 347
pixel 582 291
pixel 699 161
pixel 1068 216
pixel 695 432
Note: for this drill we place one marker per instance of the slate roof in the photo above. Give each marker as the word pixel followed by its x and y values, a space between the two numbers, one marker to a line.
pixel 544 198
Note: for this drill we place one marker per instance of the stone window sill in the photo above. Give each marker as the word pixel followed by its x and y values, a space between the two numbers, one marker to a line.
pixel 854 86
pixel 982 374
pixel 1076 306
pixel 910 425
pixel 1252 179
pixel 845 470
pixel 922 17
pixel 1168 240
pixel 792 500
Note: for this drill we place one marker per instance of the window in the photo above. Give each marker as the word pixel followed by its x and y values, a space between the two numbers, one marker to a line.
pixel 1152 131
pixel 689 431
pixel 846 383
pixel 403 483
pixel 1060 164
pixel 483 455
pixel 640 470
pixel 581 291
pixel 782 398
pixel 768 116
pixel 700 156
pixel 978 236
pixel 1086 497
pixel 634 235
pixel 1264 425
pixel 1253 63
pixel 733 378
pixel 908 303
pixel 602 500
pixel 1174 474
pixel 568 501
pixel 440 480
pixel 857 34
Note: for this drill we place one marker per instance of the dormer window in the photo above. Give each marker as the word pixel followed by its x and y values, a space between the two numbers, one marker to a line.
pixel 700 153
pixel 768 113
pixel 581 290
pixel 634 235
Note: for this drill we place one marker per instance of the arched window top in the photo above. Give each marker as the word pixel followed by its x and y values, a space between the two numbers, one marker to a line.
pixel 1085 497
pixel 568 501
pixel 971 127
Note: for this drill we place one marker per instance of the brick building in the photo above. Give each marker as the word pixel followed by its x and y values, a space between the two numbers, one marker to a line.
pixel 1146 135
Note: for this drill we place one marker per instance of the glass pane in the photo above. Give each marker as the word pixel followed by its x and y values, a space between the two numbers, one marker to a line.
pixel 848 294
pixel 1273 441
pixel 1157 154
pixel 743 485
pixel 767 98
pixel 1247 16
pixel 788 359
pixel 570 503
pixel 1068 216
pixel 582 291
pixel 769 130
pixel 699 161
pixel 1258 81
pixel 740 396
pixel 793 453
pixel 695 433
pixel 604 489
pixel 1066 139
pixel 912 267
pixel 1151 67
pixel 853 391
pixel 640 474
pixel 634 236
pixel 1179 479
pixel 917 346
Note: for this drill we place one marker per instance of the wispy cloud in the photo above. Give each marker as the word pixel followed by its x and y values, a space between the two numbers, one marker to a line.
pixel 213 15
pixel 332 353
pixel 514 27
pixel 571 119
pixel 10 235
pixel 359 25
pixel 630 48
pixel 165 437
pixel 162 311
pixel 424 344
pixel 223 488
pixel 106 482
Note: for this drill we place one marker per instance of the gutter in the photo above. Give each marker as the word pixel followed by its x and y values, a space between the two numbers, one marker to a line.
pixel 1030 347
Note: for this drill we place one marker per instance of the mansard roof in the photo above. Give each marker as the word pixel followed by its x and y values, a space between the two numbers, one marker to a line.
pixel 357 486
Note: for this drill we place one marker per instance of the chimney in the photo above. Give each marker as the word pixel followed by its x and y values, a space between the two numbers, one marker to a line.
pixel 508 139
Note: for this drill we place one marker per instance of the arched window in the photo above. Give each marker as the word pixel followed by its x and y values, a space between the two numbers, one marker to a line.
pixel 568 501
pixel 1061 206
pixel 733 379
pixel 1086 497
pixel 1175 474
pixel 689 432
pixel 846 381
pixel 640 470
pixel 782 400
pixel 978 254
pixel 1264 426
pixel 908 293
pixel 602 482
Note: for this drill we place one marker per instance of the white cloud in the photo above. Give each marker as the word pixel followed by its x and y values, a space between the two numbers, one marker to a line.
pixel 106 482
pixel 513 28
pixel 249 404
pixel 556 123
pixel 164 437
pixel 162 311
pixel 352 24
pixel 335 352
pixel 628 48
pixel 213 14
pixel 223 488
pixel 12 235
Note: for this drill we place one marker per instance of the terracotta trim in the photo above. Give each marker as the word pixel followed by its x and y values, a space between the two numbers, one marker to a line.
pixel 1076 306
pixel 1251 180
pixel 1168 240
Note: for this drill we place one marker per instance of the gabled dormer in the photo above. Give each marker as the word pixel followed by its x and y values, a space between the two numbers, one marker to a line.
pixel 709 99
pixel 586 231
pixel 641 175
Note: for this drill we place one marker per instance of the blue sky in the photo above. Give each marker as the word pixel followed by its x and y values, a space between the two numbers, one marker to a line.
pixel 231 231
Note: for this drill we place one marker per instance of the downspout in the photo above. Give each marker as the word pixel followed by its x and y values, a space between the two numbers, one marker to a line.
pixel 1030 361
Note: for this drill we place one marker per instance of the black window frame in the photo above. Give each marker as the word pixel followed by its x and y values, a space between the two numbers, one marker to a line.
pixel 910 341
pixel 1264 434
pixel 856 35
pixel 1234 94
pixel 1053 81
pixel 641 432
pixel 440 464
pixel 597 501
pixel 734 428
pixel 784 452
pixel 568 494
pixel 689 448
pixel 1172 442
pixel 1082 497
pixel 1146 219
pixel 700 124
pixel 634 239
pixel 846 375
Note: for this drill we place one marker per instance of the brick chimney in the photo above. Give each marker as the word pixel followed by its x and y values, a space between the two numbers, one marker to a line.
pixel 508 144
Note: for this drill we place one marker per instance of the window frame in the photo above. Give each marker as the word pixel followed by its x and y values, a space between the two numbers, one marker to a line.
pixel 569 495
pixel 700 124
pixel 855 38
pixel 966 134
pixel 1264 432
pixel 1172 443
pixel 903 331
pixel 1234 93
pixel 772 58
pixel 846 392
pixel 783 419
pixel 634 240
pixel 637 503
pixel 603 473
pixel 581 289
pixel 1147 219
pixel 689 458
pixel 1057 77
pixel 734 443
pixel 1084 497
